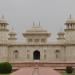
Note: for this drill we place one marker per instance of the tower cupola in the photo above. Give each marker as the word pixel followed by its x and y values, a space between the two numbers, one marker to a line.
pixel 12 36
pixel 3 23
pixel 70 30
pixel 61 34
pixel 3 30
pixel 70 23
pixel 61 37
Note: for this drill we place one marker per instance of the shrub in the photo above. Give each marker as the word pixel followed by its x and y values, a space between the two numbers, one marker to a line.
pixel 5 68
pixel 69 69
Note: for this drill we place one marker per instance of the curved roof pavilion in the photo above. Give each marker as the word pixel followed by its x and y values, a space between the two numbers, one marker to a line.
pixel 3 20
pixel 36 29
pixel 70 20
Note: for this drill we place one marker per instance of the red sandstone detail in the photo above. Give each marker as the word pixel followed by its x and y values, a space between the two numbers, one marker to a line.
pixel 36 71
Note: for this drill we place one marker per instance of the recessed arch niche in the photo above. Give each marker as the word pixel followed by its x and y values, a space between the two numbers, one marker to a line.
pixel 36 55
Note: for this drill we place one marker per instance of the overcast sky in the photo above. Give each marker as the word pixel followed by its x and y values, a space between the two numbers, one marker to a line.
pixel 51 13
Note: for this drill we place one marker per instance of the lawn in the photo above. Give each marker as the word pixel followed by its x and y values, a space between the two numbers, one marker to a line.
pixel 64 73
pixel 4 74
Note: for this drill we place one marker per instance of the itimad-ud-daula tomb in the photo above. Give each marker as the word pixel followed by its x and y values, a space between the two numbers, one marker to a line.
pixel 35 48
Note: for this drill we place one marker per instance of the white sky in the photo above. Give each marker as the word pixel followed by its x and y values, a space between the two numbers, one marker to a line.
pixel 51 13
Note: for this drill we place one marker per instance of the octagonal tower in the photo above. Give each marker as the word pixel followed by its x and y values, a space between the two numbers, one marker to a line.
pixel 70 30
pixel 3 30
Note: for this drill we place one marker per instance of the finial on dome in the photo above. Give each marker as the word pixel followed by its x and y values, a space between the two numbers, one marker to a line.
pixel 61 29
pixel 39 23
pixel 12 29
pixel 70 16
pixel 33 23
pixel 2 16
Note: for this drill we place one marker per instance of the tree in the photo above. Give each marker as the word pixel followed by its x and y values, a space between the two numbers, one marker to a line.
pixel 69 69
pixel 5 68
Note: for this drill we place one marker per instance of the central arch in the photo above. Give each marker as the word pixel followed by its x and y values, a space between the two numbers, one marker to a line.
pixel 36 55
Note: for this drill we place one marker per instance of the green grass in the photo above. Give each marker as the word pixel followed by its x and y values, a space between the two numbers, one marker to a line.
pixel 4 74
pixel 64 73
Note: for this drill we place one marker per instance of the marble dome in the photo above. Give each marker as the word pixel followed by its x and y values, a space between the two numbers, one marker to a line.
pixel 70 21
pixel 12 32
pixel 36 28
pixel 3 20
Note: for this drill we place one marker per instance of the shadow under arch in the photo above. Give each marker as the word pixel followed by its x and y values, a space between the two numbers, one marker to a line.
pixel 36 55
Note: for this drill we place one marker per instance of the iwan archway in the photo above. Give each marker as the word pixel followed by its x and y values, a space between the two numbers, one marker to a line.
pixel 36 55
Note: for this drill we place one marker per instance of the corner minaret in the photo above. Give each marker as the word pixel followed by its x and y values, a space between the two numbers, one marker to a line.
pixel 12 36
pixel 70 23
pixel 70 30
pixel 3 30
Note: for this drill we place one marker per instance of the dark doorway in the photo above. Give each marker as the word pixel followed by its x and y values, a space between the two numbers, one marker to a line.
pixel 36 55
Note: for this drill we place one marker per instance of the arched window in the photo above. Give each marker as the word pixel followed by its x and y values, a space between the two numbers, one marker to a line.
pixel 44 56
pixel 57 54
pixel 44 51
pixel 27 51
pixel 28 54
pixel 36 55
pixel 36 40
pixel 29 40
pixel 43 40
pixel 16 54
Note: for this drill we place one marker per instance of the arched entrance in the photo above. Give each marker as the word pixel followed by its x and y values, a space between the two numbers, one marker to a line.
pixel 36 55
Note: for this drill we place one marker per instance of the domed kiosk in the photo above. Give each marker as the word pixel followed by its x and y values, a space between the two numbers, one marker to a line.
pixel 36 34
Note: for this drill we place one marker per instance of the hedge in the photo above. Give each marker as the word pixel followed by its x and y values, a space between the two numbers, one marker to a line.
pixel 5 68
pixel 69 69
